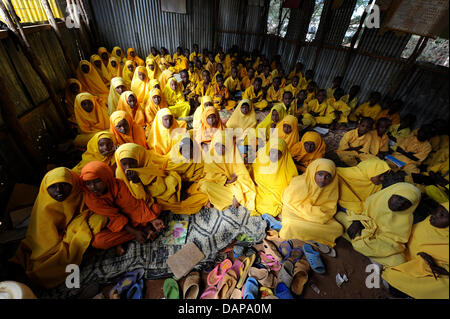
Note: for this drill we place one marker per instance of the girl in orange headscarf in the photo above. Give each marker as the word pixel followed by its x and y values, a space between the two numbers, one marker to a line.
pixel 310 148
pixel 91 80
pixel 101 69
pixel 131 55
pixel 210 124
pixel 153 104
pixel 91 117
pixel 140 84
pixel 126 130
pixel 129 218
pixel 129 103
pixel 163 131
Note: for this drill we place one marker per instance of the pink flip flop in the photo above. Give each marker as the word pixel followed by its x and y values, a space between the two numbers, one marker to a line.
pixel 209 293
pixel 270 261
pixel 238 268
pixel 218 272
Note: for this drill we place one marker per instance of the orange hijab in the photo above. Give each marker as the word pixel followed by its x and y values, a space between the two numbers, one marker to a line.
pixel 292 138
pixel 207 131
pixel 91 81
pixel 300 154
pixel 137 113
pixel 136 133
pixel 136 59
pixel 151 108
pixel 94 121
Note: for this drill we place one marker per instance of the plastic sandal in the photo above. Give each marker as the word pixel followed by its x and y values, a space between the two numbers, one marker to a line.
pixel 314 260
pixel 271 249
pixel 218 272
pixel 324 249
pixel 270 261
pixel 135 292
pixel 238 268
pixel 250 289
pixel 248 262
pixel 286 274
pixel 238 251
pixel 170 289
pixel 297 254
pixel 283 292
pixel 127 281
pixel 273 223
pixel 265 292
pixel 300 276
pixel 285 249
pixel 209 293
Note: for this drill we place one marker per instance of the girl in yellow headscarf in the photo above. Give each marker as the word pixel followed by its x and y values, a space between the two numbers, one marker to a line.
pixel 128 72
pixel 175 99
pixel 125 130
pixel 101 69
pixel 272 171
pixel 73 88
pixel 118 53
pixel 91 117
pixel 211 123
pixel 140 84
pixel 129 103
pixel 116 89
pixel 153 104
pixel 243 117
pixel 91 80
pixel 424 275
pixel 101 148
pixel 288 131
pixel 60 229
pixel 277 113
pixel 131 55
pixel 163 131
pixel 144 179
pixel 197 120
pixel 104 55
pixel 164 78
pixel 381 231
pixel 227 180
pixel 152 69
pixel 114 67
pixel 310 148
pixel 357 183
pixel 309 204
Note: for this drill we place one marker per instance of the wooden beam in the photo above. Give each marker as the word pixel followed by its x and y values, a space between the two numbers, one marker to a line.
pixel 326 24
pixel 15 129
pixel 17 31
pixel 52 22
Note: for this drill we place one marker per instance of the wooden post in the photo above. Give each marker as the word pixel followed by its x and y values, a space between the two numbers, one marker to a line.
pixel 17 31
pixel 15 129
pixel 52 22
pixel 94 25
pixel 215 25
pixel 266 15
pixel 244 20
pixel 325 31
pixel 71 5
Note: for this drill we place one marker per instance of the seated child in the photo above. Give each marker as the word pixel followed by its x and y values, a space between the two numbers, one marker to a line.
pixel 356 143
pixel 255 94
pixel 275 92
pixel 369 109
pixel 337 81
pixel 321 110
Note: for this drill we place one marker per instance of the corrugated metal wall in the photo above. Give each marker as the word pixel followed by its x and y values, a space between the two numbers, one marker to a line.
pixel 141 24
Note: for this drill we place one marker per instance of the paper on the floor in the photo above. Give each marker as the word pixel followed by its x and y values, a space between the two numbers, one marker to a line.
pixel 184 260
pixel 176 233
pixel 321 130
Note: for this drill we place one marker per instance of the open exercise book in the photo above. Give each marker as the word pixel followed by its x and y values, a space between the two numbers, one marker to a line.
pixel 395 161
pixel 176 233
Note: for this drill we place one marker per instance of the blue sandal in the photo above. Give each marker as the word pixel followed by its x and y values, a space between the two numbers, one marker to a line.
pixel 283 292
pixel 250 289
pixel 273 223
pixel 136 291
pixel 313 258
pixel 127 281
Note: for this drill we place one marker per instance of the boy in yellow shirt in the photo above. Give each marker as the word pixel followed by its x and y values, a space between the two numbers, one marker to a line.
pixel 233 85
pixel 369 109
pixel 352 97
pixel 275 92
pixel 337 81
pixel 255 94
pixel 319 108
pixel 341 109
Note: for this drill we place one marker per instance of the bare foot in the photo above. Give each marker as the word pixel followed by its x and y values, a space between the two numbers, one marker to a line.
pixel 119 250
pixel 152 235
pixel 209 205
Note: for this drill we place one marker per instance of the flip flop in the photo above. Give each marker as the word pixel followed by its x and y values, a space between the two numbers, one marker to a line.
pixel 300 277
pixel 270 261
pixel 238 268
pixel 191 285
pixel 226 285
pixel 248 262
pixel 265 292
pixel 285 249
pixel 127 281
pixel 283 292
pixel 170 289
pixel 209 293
pixel 218 272
pixel 237 294
pixel 296 254
pixel 314 260
pixel 135 292
pixel 250 289
pixel 263 276
pixel 273 223
pixel 286 274
pixel 271 249
pixel 324 249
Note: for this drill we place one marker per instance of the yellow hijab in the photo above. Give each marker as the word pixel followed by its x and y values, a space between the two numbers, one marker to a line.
pixel 355 185
pixel 102 70
pixel 120 57
pixel 91 81
pixel 385 232
pixel 151 108
pixel 239 120
pixel 114 71
pixel 196 122
pixel 292 138
pixel 139 87
pixel 161 139
pixel 136 133
pixel 207 131
pixel 265 124
pixel 96 120
pixel 92 153
pixel 146 170
pixel 156 72
pixel 173 96
pixel 137 113
pixel 58 233
pixel 70 98
pixel 300 154
pixel 102 50
pixel 272 178
pixel 136 59
pixel 114 97
pixel 127 75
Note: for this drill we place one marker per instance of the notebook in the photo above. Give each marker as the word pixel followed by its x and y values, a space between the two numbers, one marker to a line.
pixel 176 233
pixel 395 161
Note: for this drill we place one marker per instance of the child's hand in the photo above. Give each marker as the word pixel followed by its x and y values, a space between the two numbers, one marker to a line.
pixel 132 176
pixel 141 237
pixel 158 224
